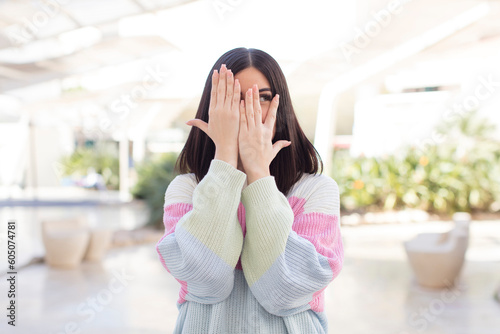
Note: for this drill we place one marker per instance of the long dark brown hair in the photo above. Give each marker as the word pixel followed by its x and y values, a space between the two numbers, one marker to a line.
pixel 291 162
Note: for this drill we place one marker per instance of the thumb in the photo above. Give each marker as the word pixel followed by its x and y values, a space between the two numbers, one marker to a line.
pixel 199 124
pixel 279 145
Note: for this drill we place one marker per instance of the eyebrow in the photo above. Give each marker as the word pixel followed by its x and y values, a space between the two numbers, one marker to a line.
pixel 260 91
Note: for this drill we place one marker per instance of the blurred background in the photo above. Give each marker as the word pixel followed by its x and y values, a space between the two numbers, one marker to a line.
pixel 400 98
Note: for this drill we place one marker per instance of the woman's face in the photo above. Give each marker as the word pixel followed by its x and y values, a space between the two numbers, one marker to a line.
pixel 251 76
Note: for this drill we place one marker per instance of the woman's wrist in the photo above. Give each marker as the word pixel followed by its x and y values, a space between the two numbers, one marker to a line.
pixel 227 156
pixel 254 176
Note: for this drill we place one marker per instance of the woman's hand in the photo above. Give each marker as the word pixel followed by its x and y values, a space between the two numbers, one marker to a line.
pixel 255 139
pixel 223 116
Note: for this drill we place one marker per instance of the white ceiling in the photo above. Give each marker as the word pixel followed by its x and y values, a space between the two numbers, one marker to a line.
pixel 85 54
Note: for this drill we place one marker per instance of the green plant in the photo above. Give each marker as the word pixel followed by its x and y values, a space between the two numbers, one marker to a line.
pixel 461 173
pixel 102 159
pixel 154 176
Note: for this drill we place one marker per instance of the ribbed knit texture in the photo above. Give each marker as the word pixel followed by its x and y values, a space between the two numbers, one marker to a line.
pixel 249 259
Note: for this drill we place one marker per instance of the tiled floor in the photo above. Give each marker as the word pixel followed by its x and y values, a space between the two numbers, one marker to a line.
pixel 130 292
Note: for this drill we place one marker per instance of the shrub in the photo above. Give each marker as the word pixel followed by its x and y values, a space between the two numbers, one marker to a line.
pixel 153 177
pixel 461 173
pixel 103 159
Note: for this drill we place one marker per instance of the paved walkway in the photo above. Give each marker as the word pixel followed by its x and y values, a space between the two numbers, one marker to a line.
pixel 130 292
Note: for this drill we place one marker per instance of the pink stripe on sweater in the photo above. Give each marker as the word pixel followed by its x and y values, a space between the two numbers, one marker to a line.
pixel 297 205
pixel 171 215
pixel 318 302
pixel 242 220
pixel 323 231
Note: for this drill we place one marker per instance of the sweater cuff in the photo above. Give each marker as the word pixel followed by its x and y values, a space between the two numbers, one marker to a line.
pixel 260 192
pixel 263 198
pixel 226 174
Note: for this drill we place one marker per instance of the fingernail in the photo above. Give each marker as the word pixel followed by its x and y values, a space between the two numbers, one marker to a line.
pixel 223 66
pixel 278 97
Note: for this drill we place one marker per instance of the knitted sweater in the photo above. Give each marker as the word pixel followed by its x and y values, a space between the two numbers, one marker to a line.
pixel 255 266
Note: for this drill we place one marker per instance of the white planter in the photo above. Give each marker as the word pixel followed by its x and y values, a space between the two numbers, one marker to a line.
pixel 99 243
pixel 65 242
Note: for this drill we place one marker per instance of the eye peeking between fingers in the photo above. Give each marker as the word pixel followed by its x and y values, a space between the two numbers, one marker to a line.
pixel 263 98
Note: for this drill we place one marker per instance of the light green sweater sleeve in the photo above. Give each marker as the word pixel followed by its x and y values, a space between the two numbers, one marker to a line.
pixel 213 220
pixel 269 222
pixel 203 239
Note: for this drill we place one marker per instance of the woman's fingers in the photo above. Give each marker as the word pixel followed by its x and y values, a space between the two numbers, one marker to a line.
pixel 203 126
pixel 243 117
pixel 236 96
pixel 213 93
pixel 221 88
pixel 256 106
pixel 229 91
pixel 249 109
pixel 271 114
pixel 278 146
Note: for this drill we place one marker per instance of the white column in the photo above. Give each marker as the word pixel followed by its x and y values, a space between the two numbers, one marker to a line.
pixel 139 148
pixel 124 170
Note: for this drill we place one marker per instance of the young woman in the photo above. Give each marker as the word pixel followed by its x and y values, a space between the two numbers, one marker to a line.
pixel 252 231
